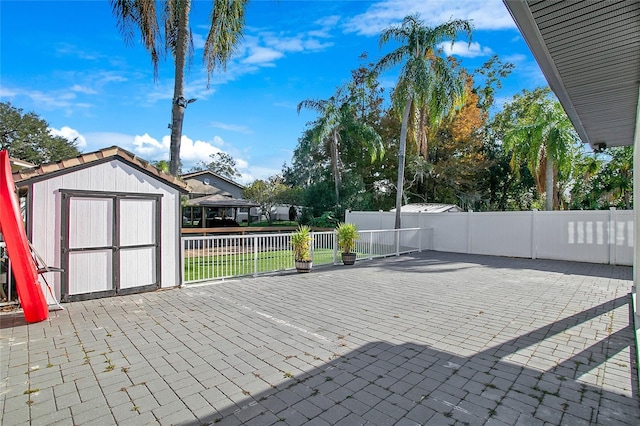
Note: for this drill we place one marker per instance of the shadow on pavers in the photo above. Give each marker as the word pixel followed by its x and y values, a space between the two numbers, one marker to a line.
pixel 451 262
pixel 381 383
pixel 13 318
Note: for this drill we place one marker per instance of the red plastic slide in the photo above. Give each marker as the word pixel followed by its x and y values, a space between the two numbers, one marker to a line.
pixel 23 266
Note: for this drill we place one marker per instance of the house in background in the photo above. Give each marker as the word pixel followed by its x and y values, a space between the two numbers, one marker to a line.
pixel 17 164
pixel 108 219
pixel 204 183
pixel 214 201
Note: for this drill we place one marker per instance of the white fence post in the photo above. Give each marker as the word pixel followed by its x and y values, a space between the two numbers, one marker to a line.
pixel 182 266
pixel 612 235
pixel 534 234
pixel 469 229
pixel 255 255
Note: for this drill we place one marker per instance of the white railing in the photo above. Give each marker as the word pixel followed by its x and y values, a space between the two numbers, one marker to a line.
pixel 220 257
pixel 7 287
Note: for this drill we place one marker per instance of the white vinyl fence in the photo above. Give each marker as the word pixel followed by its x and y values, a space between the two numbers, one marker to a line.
pixel 597 236
pixel 226 256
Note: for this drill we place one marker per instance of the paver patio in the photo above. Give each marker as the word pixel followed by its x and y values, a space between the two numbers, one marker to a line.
pixel 429 338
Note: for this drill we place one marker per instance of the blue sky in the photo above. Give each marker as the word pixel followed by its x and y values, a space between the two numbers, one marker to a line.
pixel 67 62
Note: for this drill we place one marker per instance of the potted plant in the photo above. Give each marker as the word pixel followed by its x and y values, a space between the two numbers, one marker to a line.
pixel 347 237
pixel 301 243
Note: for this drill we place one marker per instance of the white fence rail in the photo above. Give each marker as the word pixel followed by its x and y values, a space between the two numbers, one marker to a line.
pixel 600 236
pixel 227 256
pixel 7 286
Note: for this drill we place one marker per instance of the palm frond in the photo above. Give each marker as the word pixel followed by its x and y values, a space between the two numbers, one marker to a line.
pixel 225 33
pixel 139 15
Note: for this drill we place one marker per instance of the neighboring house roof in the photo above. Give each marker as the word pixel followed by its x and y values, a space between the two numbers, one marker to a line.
pixel 188 176
pixel 198 187
pixel 44 171
pixel 218 200
pixel 429 208
pixel 17 164
pixel 589 53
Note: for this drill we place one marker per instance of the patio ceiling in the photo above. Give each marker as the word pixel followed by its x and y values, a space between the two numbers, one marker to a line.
pixel 589 52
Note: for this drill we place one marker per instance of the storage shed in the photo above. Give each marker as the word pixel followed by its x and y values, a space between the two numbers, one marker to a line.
pixel 109 219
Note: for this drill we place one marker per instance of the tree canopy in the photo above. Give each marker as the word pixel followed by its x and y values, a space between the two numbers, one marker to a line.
pixel 221 163
pixel 26 136
pixel 428 88
pixel 270 192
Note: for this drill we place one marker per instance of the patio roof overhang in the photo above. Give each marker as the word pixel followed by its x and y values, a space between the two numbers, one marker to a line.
pixel 589 52
pixel 221 201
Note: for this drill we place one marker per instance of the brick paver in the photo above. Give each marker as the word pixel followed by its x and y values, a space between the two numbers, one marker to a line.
pixel 428 338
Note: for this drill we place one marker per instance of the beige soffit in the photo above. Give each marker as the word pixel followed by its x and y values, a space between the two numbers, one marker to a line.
pixel 589 52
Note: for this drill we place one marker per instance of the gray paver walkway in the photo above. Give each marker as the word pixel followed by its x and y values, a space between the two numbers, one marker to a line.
pixel 430 338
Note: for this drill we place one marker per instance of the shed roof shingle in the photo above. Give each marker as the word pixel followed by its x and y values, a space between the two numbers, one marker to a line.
pixel 25 175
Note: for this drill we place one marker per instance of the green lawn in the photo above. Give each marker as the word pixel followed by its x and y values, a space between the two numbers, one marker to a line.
pixel 234 265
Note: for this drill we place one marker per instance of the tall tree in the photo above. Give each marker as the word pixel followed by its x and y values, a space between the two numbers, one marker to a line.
pixel 457 160
pixel 221 163
pixel 26 137
pixel 225 32
pixel 616 178
pixel 338 120
pixel 269 193
pixel 540 135
pixel 428 87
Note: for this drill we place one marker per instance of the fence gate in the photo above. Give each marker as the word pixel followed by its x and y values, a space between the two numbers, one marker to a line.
pixel 109 244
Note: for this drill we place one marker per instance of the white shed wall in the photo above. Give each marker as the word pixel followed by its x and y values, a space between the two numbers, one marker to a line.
pixel 112 176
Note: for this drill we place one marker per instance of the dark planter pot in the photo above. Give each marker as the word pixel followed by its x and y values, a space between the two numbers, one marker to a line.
pixel 348 258
pixel 303 265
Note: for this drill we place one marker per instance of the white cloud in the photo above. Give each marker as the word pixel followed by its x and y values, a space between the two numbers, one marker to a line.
pixel 70 134
pixel 328 21
pixel 191 151
pixel 66 49
pixel 516 58
pixel 198 41
pixel 316 45
pixel 464 49
pixel 484 15
pixel 152 149
pixel 194 151
pixel 284 44
pixel 99 140
pixel 149 147
pixel 232 127
pixel 256 173
pixel 7 93
pixel 262 56
pixel 83 89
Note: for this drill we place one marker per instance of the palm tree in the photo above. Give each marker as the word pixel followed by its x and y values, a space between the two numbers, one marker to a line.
pixel 541 137
pixel 225 32
pixel 428 88
pixel 338 118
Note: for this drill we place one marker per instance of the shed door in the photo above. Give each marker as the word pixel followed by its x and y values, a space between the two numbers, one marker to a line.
pixel 110 244
pixel 90 262
pixel 138 243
